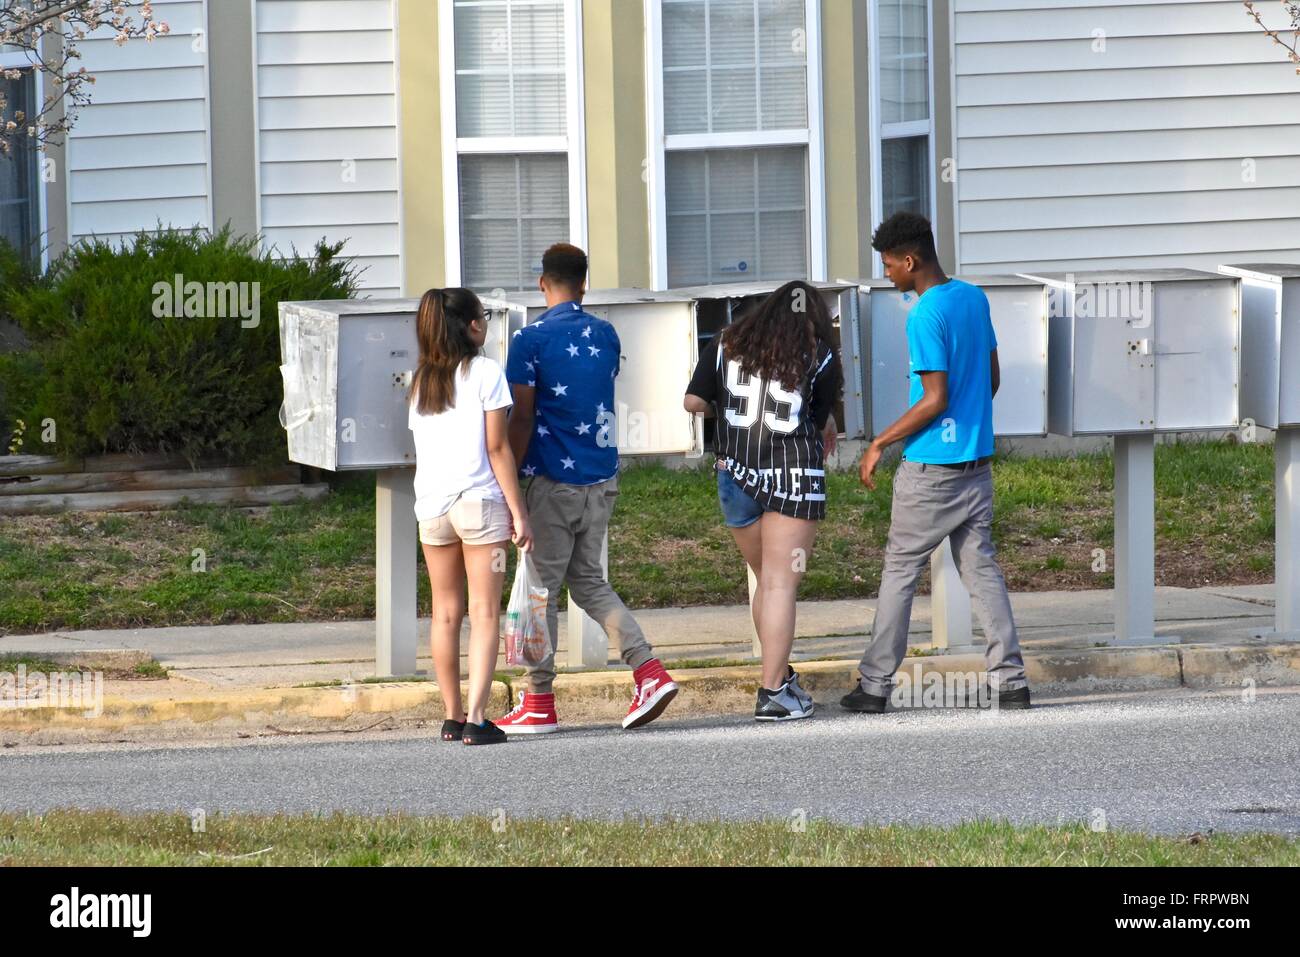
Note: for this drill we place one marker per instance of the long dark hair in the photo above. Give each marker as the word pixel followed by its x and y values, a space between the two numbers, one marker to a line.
pixel 442 328
pixel 778 340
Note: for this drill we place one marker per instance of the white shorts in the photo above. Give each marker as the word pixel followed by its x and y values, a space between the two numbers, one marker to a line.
pixel 474 521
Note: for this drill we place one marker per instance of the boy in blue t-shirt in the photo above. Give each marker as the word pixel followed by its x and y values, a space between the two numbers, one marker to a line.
pixel 943 488
pixel 561 369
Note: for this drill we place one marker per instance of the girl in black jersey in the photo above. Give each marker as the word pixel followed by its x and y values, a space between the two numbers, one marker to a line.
pixel 772 380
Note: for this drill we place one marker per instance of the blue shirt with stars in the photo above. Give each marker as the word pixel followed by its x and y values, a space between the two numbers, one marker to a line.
pixel 571 358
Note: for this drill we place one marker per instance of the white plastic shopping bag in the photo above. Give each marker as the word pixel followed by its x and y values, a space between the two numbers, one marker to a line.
pixel 527 640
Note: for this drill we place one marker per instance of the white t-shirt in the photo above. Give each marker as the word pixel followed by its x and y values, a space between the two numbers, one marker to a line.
pixel 451 447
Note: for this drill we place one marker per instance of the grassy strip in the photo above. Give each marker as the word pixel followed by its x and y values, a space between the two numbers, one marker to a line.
pixel 315 560
pixel 10 663
pixel 95 838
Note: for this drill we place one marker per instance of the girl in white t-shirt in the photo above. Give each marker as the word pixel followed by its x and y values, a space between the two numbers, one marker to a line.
pixel 467 498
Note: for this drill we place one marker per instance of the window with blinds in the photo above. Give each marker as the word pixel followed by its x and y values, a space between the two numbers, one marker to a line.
pixel 737 214
pixel 510 68
pixel 512 207
pixel 734 66
pixel 735 121
pixel 511 81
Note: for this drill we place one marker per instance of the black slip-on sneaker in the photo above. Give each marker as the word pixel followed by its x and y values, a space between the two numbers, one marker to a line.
pixel 864 702
pixel 1016 699
pixel 485 733
pixel 453 730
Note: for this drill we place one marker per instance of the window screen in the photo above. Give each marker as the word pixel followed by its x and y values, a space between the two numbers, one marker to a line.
pixel 905 164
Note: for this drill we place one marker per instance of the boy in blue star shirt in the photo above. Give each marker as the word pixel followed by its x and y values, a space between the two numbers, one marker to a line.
pixel 561 369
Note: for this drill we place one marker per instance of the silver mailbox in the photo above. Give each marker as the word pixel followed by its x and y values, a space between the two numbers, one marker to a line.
pixel 718 306
pixel 1018 308
pixel 1270 342
pixel 1152 350
pixel 658 337
pixel 347 366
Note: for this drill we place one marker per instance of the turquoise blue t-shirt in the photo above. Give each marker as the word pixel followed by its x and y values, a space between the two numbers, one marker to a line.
pixel 949 330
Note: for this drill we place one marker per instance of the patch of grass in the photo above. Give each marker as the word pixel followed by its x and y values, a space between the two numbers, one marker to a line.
pixel 81 838
pixel 314 561
pixel 370 680
pixel 150 670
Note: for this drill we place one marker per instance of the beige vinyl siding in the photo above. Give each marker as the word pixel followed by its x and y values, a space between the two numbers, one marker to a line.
pixel 1135 155
pixel 139 154
pixel 327 132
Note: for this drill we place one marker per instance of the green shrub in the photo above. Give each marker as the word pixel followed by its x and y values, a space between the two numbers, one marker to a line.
pixel 116 377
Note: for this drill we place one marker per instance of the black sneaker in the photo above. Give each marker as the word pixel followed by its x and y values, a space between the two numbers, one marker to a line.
pixel 485 733
pixel 1016 699
pixel 863 701
pixel 453 730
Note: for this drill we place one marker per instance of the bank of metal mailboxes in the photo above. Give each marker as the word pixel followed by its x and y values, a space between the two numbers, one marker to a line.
pixel 657 333
pixel 1018 309
pixel 347 368
pixel 1152 350
pixel 1270 342
pixel 718 306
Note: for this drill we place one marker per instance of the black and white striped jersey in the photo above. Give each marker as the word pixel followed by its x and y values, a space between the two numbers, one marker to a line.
pixel 767 437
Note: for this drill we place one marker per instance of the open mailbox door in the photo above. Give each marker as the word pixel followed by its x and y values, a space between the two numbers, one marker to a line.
pixel 657 332
pixel 716 307
pixel 1270 342
pixel 347 369
pixel 1018 309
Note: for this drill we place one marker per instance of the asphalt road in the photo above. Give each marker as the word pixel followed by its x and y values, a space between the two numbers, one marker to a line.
pixel 1163 762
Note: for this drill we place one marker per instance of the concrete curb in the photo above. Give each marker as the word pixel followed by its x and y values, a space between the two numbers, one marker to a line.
pixel 604 695
pixel 404 702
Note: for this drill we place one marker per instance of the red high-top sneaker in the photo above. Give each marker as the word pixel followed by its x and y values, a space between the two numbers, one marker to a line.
pixel 535 714
pixel 655 688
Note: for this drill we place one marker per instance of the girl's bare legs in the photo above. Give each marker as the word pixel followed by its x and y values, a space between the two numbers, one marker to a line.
pixel 750 542
pixel 787 546
pixel 447 582
pixel 485 565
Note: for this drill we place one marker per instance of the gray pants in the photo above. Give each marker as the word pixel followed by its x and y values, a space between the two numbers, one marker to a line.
pixel 569 524
pixel 932 503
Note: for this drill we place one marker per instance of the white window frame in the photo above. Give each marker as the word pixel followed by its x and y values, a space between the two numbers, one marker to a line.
pixel 14 61
pixel 660 144
pixel 881 131
pixel 573 143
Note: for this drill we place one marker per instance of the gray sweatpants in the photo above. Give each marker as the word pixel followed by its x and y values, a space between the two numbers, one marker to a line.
pixel 932 503
pixel 569 524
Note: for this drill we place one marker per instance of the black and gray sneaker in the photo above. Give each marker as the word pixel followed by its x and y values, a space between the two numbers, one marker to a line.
pixel 782 704
pixel 796 689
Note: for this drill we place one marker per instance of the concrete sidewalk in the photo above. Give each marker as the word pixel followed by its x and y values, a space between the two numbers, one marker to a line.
pixel 248 680
pixel 285 655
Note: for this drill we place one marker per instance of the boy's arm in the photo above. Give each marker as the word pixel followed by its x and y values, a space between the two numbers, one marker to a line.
pixel 522 417
pixel 995 371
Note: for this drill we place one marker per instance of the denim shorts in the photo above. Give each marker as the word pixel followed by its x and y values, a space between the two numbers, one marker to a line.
pixel 739 510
